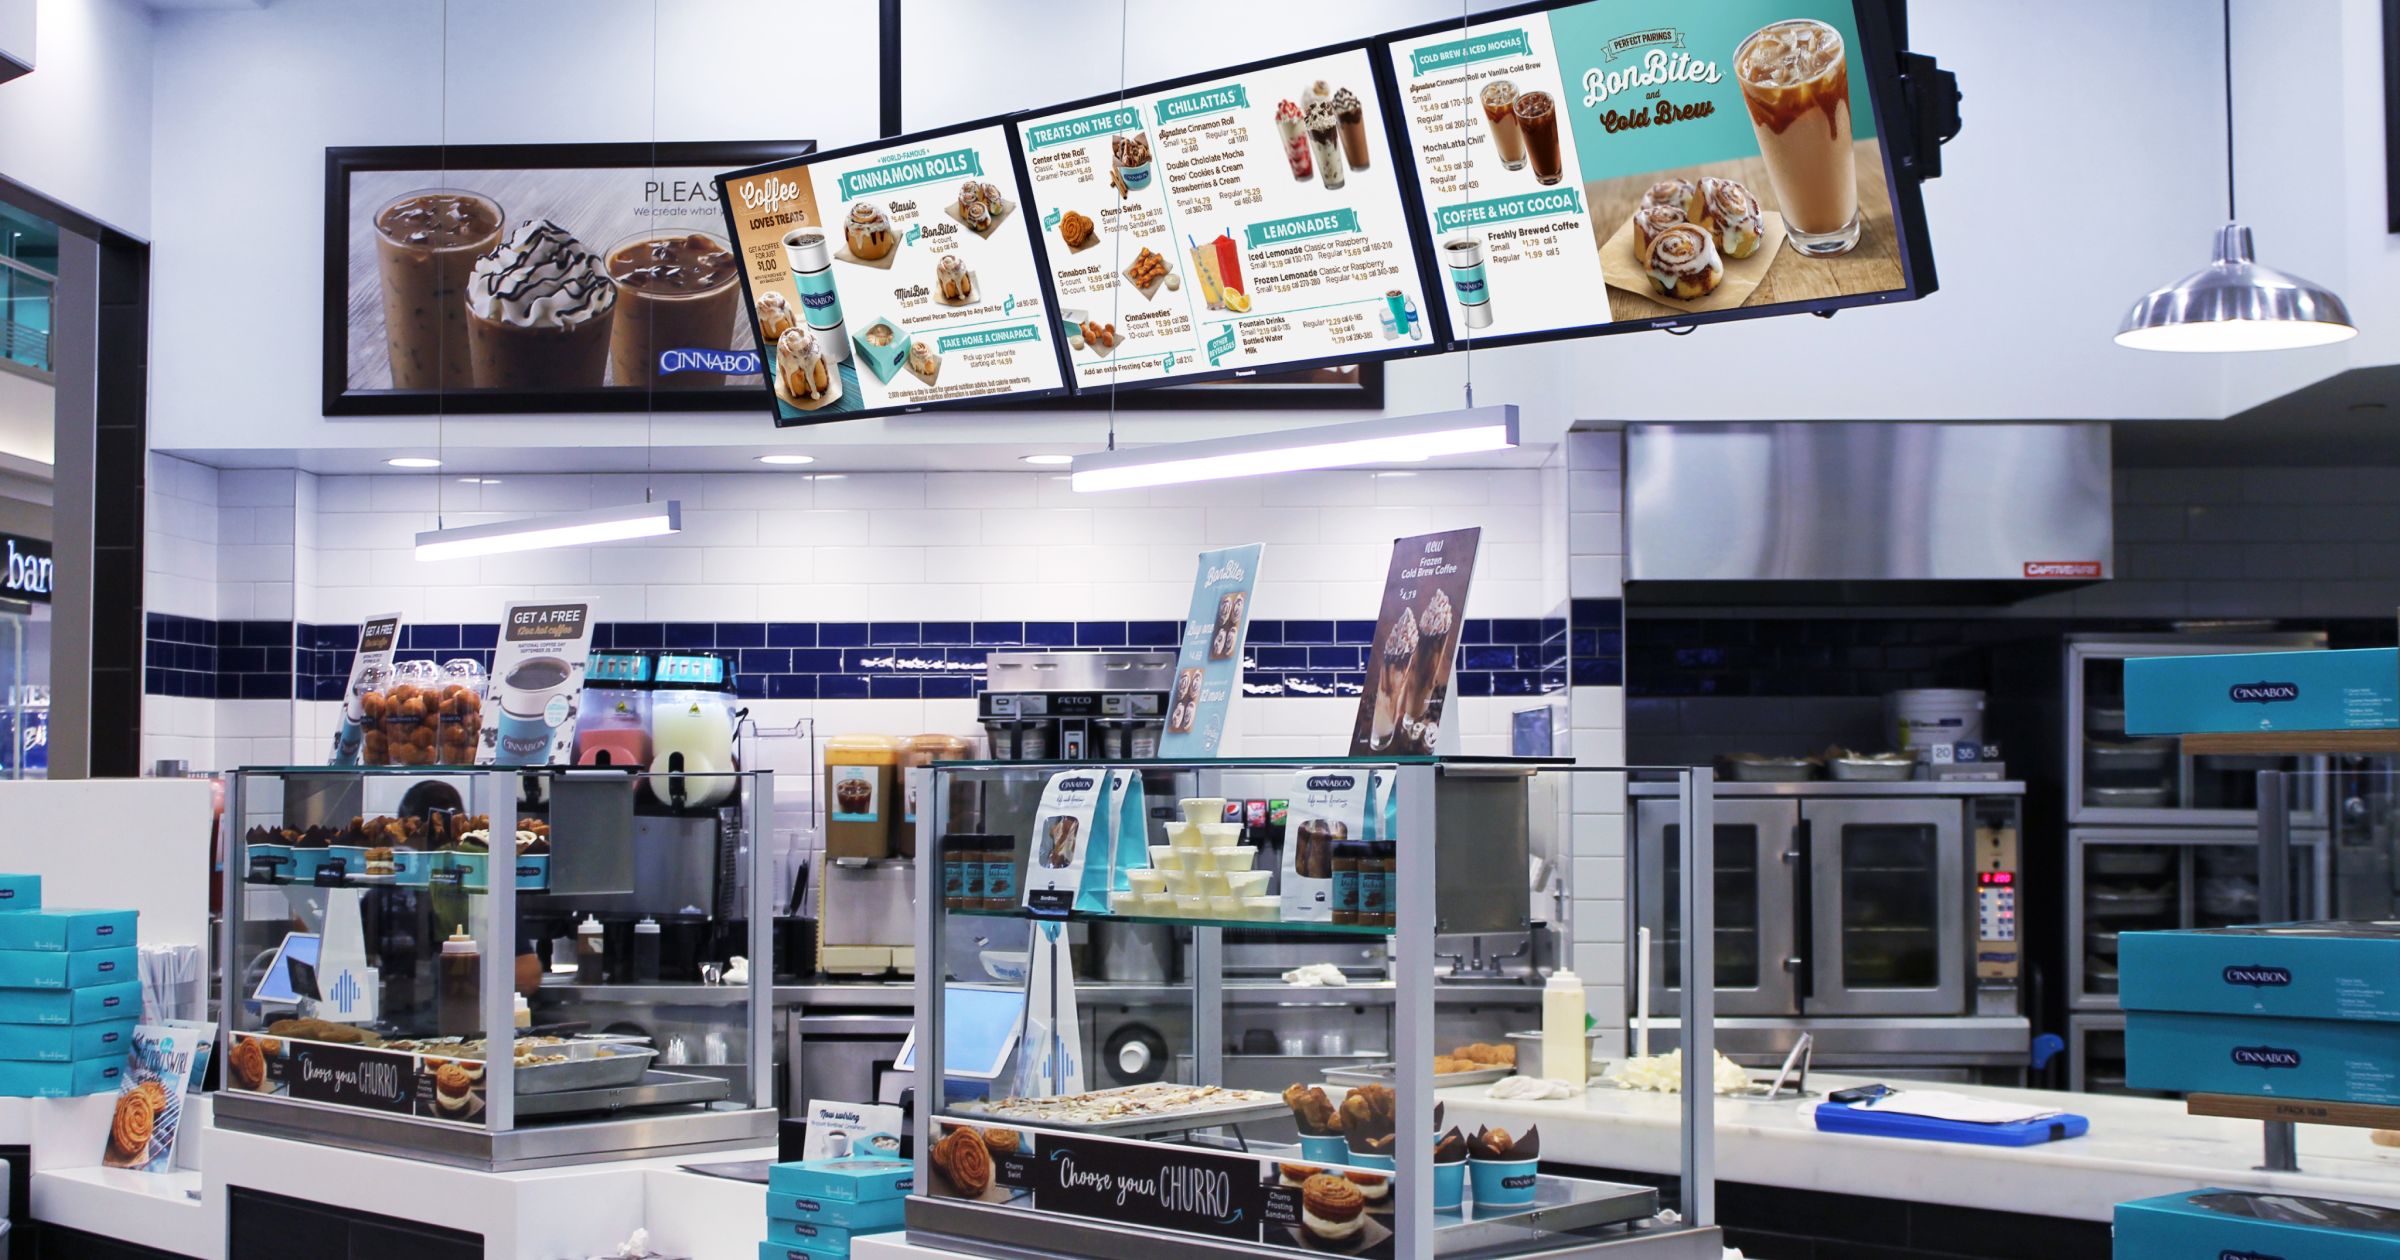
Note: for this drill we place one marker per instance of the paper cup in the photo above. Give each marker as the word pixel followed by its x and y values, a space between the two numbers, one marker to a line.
pixel 1233 857
pixel 1224 907
pixel 1203 809
pixel 1166 857
pixel 1449 1185
pixel 1324 1150
pixel 1185 883
pixel 1366 1159
pixel 1146 881
pixel 1247 883
pixel 1502 1182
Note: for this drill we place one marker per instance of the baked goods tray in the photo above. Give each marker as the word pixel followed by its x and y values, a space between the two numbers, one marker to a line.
pixel 1385 1073
pixel 623 1065
pixel 653 1089
pixel 1559 1204
pixel 1134 1126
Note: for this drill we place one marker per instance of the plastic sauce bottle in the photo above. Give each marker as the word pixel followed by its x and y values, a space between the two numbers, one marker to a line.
pixel 590 950
pixel 1566 1054
pixel 645 952
pixel 460 1012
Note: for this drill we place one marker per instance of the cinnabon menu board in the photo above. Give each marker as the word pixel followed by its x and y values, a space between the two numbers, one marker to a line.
pixel 1611 165
pixel 893 277
pixel 1250 220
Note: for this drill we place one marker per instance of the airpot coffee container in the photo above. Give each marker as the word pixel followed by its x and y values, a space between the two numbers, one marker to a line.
pixel 859 795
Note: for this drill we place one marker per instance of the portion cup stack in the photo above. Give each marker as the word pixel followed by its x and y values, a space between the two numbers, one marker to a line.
pixel 1204 871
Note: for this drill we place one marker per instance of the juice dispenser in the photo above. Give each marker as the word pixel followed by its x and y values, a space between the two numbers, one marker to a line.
pixel 615 727
pixel 691 729
pixel 859 789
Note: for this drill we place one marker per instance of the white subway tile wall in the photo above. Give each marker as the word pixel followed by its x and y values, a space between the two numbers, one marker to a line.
pixel 1596 719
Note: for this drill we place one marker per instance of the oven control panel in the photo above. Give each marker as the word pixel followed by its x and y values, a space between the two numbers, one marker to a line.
pixel 1997 953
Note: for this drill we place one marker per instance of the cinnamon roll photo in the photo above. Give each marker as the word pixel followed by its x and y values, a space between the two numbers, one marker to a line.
pixel 1683 262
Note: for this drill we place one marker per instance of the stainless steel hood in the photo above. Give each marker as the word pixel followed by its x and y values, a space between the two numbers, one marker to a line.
pixel 1864 513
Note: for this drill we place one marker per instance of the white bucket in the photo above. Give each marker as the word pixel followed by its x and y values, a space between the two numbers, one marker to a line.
pixel 1927 716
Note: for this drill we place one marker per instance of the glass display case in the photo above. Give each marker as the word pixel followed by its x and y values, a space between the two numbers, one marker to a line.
pixel 1025 1143
pixel 383 924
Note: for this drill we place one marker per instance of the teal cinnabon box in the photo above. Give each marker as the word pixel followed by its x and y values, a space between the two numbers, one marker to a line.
pixel 26 1079
pixel 772 1250
pixel 861 1180
pixel 67 929
pixel 65 1043
pixel 815 1236
pixel 53 969
pixel 2351 690
pixel 2327 970
pixel 96 1004
pixel 2250 1225
pixel 20 892
pixel 2328 1060
pixel 870 1217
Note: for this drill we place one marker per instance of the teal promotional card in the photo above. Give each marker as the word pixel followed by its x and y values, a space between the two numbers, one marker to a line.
pixel 1208 674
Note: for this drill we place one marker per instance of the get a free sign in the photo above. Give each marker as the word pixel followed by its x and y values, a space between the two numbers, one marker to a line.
pixel 1142 1184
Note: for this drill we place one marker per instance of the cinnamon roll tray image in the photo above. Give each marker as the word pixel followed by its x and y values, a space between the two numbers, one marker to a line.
pixel 1732 250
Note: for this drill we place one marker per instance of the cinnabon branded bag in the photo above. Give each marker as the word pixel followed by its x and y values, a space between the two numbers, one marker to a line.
pixel 1071 835
pixel 1329 807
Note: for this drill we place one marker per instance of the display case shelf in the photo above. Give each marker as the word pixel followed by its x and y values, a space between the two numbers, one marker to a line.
pixel 1274 925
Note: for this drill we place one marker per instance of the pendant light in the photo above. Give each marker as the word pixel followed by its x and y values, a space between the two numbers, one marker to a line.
pixel 2233 303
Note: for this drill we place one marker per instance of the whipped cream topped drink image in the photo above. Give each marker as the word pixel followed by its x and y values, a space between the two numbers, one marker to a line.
pixel 1353 116
pixel 426 244
pixel 539 311
pixel 1429 669
pixel 677 291
pixel 1325 142
pixel 1395 658
pixel 1795 78
pixel 1295 140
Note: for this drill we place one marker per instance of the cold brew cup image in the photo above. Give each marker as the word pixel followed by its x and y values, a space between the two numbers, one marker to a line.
pixel 539 312
pixel 426 244
pixel 1795 80
pixel 1353 116
pixel 1429 668
pixel 675 291
pixel 1500 113
pixel 1393 659
pixel 1537 118
pixel 1325 143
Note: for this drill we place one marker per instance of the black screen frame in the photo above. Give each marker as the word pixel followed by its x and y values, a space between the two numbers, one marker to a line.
pixel 1879 53
pixel 1437 339
pixel 1016 159
pixel 340 400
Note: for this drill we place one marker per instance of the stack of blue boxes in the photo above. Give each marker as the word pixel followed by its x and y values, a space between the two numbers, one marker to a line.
pixel 2289 1011
pixel 815 1206
pixel 70 993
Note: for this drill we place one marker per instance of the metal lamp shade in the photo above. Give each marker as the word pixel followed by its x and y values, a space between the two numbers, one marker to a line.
pixel 2235 304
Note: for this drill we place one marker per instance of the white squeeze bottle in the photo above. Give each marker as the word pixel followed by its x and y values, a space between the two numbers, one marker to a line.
pixel 1566 1054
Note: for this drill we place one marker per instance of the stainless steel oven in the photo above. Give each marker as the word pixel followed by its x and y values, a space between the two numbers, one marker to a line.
pixel 1876 916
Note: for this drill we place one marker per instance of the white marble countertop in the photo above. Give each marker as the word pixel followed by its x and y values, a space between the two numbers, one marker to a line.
pixel 2137 1148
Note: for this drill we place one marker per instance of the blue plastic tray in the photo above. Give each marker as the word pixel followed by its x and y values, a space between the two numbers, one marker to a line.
pixel 1843 1118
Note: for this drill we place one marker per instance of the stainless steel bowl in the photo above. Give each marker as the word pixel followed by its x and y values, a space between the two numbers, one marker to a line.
pixel 2128 797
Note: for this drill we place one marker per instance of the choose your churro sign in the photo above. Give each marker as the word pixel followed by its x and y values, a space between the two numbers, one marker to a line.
pixel 1144 1184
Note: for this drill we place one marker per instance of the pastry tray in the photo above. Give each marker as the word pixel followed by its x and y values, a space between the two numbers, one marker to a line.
pixel 1271 1108
pixel 623 1065
pixel 1386 1073
pixel 653 1089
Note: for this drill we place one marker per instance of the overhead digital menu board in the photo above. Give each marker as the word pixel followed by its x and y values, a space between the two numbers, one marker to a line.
pixel 1586 168
pixel 893 277
pixel 1251 220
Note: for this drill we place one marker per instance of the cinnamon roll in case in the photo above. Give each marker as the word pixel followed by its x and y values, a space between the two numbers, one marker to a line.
pixel 1683 262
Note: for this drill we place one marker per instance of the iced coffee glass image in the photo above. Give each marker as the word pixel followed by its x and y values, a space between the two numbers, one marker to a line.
pixel 1537 118
pixel 426 243
pixel 538 312
pixel 1796 82
pixel 1500 111
pixel 1429 669
pixel 675 291
pixel 1394 656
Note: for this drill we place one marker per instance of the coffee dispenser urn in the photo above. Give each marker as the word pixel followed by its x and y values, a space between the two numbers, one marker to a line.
pixel 1076 706
pixel 691 729
pixel 614 729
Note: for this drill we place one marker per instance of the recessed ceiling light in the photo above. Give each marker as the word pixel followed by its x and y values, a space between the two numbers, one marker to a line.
pixel 787 459
pixel 1047 460
pixel 412 461
pixel 479 481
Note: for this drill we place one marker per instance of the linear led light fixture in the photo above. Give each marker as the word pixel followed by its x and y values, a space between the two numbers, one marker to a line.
pixel 1397 439
pixel 567 529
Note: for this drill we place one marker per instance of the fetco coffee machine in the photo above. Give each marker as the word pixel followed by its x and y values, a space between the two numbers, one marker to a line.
pixel 1076 706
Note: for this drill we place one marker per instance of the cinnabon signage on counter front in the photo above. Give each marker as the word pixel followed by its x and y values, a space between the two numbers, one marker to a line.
pixel 893 277
pixel 1250 221
pixel 1590 168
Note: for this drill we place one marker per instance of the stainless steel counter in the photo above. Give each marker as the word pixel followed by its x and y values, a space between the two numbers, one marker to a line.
pixel 903 995
pixel 1836 787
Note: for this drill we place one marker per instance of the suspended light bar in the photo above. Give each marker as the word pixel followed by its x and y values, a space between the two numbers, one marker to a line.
pixel 1400 439
pixel 567 529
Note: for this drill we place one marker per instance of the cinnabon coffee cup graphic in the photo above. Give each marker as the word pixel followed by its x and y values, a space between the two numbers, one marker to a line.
pixel 535 700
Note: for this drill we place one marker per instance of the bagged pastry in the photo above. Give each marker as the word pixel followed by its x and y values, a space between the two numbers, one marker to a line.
pixel 1329 807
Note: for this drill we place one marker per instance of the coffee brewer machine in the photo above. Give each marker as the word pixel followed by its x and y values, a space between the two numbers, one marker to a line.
pixel 1076 706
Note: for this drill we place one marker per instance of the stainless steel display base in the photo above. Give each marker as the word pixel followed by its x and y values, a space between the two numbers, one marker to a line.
pixel 655 1089
pixel 668 1134
pixel 1012 1234
pixel 1864 1041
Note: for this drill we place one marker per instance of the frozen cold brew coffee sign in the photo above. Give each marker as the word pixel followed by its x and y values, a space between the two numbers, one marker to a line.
pixel 525 278
pixel 1416 641
pixel 892 277
pixel 537 685
pixel 1586 169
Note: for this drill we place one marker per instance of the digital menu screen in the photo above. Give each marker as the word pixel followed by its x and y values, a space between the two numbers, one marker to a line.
pixel 893 277
pixel 1614 163
pixel 1249 221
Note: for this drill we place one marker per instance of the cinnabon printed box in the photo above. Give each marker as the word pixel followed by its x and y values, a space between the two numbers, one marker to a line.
pixel 2356 690
pixel 67 929
pixel 57 969
pixel 2325 1060
pixel 850 1180
pixel 99 1003
pixel 2328 970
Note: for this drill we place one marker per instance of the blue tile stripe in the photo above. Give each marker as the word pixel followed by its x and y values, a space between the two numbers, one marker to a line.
pixel 1596 642
pixel 785 660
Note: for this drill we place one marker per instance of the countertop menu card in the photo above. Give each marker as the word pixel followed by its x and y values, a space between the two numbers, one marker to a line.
pixel 1416 643
pixel 1558 153
pixel 893 277
pixel 1252 222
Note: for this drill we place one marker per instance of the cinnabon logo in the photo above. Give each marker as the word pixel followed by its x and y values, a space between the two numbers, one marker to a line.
pixel 1080 783
pixel 2062 568
pixel 1332 782
pixel 2263 692
pixel 2266 1057
pixel 2258 977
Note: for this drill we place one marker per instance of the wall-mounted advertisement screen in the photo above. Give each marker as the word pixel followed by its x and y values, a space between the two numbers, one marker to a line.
pixel 1248 221
pixel 893 277
pixel 1609 166
pixel 526 278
